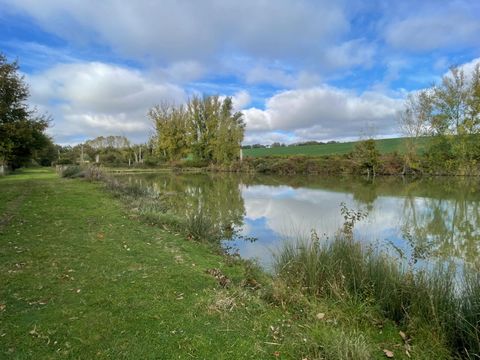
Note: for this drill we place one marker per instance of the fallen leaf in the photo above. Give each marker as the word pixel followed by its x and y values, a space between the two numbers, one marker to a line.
pixel 388 353
pixel 3 307
pixel 403 335
pixel 33 332
pixel 320 316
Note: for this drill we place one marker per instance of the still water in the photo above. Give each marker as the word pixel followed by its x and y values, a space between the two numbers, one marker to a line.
pixel 417 220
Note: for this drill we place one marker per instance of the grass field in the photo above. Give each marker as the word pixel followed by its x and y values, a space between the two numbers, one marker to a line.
pixel 384 146
pixel 82 277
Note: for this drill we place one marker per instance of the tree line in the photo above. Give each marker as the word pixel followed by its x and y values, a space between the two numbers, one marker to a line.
pixel 206 130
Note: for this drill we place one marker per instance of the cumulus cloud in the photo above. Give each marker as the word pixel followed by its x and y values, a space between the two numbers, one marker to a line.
pixel 436 26
pixel 325 113
pixel 470 66
pixel 240 100
pixel 269 137
pixel 92 99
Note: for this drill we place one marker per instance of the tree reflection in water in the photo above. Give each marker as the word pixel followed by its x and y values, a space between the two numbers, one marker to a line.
pixel 433 218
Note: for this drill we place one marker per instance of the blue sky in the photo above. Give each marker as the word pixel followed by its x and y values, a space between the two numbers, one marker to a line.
pixel 299 70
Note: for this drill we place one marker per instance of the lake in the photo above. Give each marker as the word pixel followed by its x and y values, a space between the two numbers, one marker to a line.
pixel 420 221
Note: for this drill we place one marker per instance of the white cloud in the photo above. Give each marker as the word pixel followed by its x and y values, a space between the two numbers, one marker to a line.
pixel 351 53
pixel 181 71
pixel 469 67
pixel 269 137
pixel 279 77
pixel 437 26
pixel 240 100
pixel 267 75
pixel 173 30
pixel 325 112
pixel 93 99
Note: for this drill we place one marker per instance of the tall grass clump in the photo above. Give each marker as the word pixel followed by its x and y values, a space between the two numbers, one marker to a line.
pixel 200 226
pixel 443 297
pixel 72 171
pixel 94 173
pixel 126 189
pixel 469 314
pixel 341 345
pixel 345 270
pixel 148 202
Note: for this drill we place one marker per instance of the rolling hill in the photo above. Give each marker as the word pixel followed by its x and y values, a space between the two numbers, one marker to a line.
pixel 384 145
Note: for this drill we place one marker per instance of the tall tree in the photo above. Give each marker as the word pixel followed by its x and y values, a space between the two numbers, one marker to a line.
pixel 21 129
pixel 414 121
pixel 216 131
pixel 449 113
pixel 207 128
pixel 171 131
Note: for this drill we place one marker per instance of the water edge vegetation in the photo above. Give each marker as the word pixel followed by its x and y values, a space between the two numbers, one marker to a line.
pixel 344 271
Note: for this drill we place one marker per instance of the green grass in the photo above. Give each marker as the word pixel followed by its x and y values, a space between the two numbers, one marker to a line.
pixel 346 271
pixel 82 277
pixel 384 145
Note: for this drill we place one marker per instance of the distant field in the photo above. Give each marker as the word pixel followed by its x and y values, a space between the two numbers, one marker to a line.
pixel 384 145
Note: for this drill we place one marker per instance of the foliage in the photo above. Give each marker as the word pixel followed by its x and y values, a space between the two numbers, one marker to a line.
pixel 366 155
pixel 414 122
pixel 107 150
pixel 449 113
pixel 171 129
pixel 21 129
pixel 48 155
pixel 206 128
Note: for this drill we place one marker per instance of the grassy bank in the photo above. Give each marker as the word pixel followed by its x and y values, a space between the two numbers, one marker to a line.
pixel 85 274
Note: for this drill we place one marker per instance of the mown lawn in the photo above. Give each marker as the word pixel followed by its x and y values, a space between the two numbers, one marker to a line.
pixel 81 278
pixel 385 146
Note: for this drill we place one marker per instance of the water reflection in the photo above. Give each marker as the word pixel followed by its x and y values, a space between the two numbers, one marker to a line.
pixel 421 219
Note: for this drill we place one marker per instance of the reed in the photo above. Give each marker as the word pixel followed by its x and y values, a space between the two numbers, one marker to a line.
pixel 445 297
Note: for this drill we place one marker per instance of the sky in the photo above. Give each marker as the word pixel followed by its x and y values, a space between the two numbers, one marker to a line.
pixel 298 69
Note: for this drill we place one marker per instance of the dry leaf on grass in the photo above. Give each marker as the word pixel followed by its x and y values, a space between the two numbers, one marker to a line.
pixel 388 353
